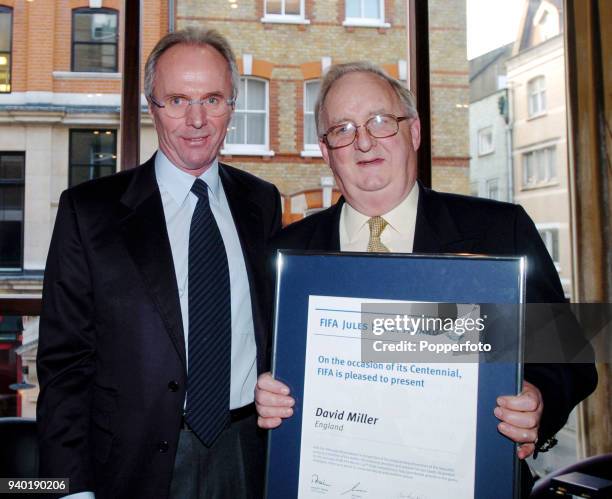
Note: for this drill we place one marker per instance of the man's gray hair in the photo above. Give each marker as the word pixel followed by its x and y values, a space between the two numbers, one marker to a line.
pixel 339 70
pixel 198 37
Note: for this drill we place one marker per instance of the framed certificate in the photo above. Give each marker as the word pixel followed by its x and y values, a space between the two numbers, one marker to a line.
pixel 395 363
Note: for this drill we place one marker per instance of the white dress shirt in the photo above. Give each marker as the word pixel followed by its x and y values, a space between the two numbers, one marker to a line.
pixel 179 204
pixel 398 235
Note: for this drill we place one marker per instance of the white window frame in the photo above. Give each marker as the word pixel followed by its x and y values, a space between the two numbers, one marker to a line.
pixel 550 167
pixel 546 231
pixel 285 18
pixel 483 148
pixel 368 22
pixel 253 149
pixel 310 150
pixel 536 96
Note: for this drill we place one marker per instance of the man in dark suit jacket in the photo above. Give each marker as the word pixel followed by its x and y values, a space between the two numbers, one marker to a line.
pixel 369 134
pixel 119 412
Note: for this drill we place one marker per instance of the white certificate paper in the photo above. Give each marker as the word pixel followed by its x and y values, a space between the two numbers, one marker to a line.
pixel 381 430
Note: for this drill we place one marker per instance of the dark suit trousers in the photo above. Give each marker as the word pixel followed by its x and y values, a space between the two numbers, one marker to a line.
pixel 233 468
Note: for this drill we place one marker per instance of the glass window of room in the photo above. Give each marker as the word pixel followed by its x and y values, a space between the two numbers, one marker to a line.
pixel 358 11
pixel 6 36
pixel 94 40
pixel 292 8
pixel 485 140
pixel 12 182
pixel 536 89
pixel 539 167
pixel 93 154
pixel 493 189
pixel 550 236
pixel 248 130
pixel 311 90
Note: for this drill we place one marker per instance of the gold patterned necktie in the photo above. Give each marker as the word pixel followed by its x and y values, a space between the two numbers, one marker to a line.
pixel 377 225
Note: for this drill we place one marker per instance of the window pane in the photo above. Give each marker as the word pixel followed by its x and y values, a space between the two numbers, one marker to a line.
pixel 256 128
pixel 5 72
pixel 236 133
pixel 11 209
pixel 310 132
pixel 11 167
pixel 241 94
pixel 312 90
pixel 370 9
pixel 11 200
pixel 292 7
pixel 273 7
pixel 94 58
pixel 5 31
pixel 256 95
pixel 552 165
pixel 353 8
pixel 92 154
pixel 95 27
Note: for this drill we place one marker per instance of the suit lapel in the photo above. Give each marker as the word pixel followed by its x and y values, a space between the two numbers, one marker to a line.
pixel 146 238
pixel 436 230
pixel 326 236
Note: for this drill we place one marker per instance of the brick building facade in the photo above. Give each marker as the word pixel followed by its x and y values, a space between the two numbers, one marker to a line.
pixel 60 95
pixel 288 51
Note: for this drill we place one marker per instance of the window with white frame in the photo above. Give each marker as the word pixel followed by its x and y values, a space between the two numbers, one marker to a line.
pixel 283 10
pixel 550 236
pixel 536 94
pixel 540 167
pixel 248 130
pixel 311 90
pixel 485 141
pixel 365 13
pixel 493 189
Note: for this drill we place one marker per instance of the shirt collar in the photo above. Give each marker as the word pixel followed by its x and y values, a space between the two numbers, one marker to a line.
pixel 178 183
pixel 396 218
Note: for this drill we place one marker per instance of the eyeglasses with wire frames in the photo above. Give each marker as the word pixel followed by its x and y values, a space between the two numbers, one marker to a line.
pixel 379 126
pixel 176 106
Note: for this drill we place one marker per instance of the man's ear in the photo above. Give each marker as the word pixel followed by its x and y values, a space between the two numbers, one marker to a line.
pixel 415 133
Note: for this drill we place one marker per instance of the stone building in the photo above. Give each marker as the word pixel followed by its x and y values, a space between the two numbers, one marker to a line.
pixel 536 81
pixel 490 132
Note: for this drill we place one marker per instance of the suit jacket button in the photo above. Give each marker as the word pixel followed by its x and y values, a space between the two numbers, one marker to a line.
pixel 173 386
pixel 163 446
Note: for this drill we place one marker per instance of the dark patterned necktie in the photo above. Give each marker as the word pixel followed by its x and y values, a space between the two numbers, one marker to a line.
pixel 210 324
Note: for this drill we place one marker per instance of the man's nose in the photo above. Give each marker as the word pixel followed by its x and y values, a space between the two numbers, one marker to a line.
pixel 196 115
pixel 363 140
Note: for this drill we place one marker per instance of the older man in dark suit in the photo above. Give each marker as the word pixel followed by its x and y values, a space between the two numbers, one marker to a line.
pixel 369 133
pixel 155 316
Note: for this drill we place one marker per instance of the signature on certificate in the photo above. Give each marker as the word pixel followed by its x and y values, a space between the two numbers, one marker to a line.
pixel 354 490
pixel 316 481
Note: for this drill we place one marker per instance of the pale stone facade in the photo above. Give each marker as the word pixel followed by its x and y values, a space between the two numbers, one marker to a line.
pixel 536 79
